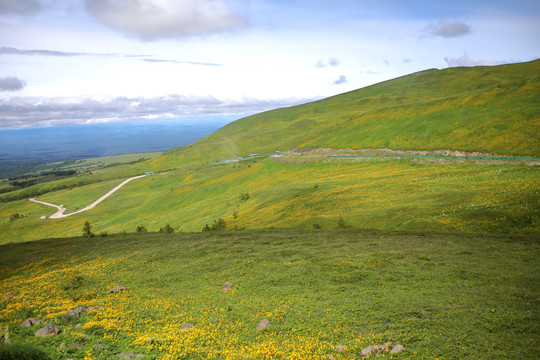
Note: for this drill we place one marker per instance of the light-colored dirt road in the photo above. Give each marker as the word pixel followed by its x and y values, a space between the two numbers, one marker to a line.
pixel 60 213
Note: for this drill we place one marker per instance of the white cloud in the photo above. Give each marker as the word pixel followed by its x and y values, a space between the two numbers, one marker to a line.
pixel 465 60
pixel 341 80
pixel 11 83
pixel 328 62
pixel 157 19
pixel 447 29
pixel 44 111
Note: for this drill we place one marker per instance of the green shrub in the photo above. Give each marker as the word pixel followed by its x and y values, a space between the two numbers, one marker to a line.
pixel 142 228
pixel 219 224
pixel 167 229
pixel 22 352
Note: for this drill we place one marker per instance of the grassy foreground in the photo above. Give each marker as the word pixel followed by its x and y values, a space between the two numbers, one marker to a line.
pixel 440 295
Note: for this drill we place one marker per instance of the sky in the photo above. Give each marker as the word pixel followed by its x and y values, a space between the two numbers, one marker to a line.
pixel 97 61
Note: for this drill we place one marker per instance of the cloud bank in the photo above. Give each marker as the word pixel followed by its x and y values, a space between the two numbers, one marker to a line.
pixel 11 83
pixel 447 29
pixel 151 20
pixel 20 112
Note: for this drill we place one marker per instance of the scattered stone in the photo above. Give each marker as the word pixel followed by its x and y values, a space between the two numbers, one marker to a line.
pixel 398 348
pixel 77 345
pixel 187 326
pixel 78 325
pixel 31 322
pixel 50 329
pixel 366 351
pixel 340 348
pixel 98 346
pixel 227 286
pixel 9 296
pixel 130 356
pixel 330 357
pixel 375 349
pixel 263 324
pixel 214 320
pixel 76 312
pixel 93 308
pixel 116 289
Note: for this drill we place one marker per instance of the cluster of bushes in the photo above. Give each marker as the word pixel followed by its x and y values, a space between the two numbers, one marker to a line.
pixel 219 224
pixel 15 216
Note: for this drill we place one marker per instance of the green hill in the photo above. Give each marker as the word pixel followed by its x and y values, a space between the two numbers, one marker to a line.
pixel 488 109
pixel 482 109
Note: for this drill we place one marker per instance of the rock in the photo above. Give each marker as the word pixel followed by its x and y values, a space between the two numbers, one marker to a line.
pixel 31 322
pixel 263 324
pixel 98 346
pixel 366 351
pixel 116 289
pixel 93 308
pixel 374 349
pixel 77 345
pixel 227 286
pixel 78 325
pixel 76 312
pixel 187 326
pixel 340 348
pixel 50 329
pixel 377 348
pixel 8 296
pixel 214 320
pixel 130 356
pixel 398 348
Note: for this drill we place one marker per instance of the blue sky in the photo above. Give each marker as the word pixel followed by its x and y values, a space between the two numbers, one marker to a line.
pixel 94 61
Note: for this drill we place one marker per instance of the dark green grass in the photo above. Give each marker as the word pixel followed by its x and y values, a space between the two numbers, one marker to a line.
pixel 447 296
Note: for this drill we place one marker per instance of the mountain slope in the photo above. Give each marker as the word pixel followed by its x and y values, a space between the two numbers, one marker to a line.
pixel 490 109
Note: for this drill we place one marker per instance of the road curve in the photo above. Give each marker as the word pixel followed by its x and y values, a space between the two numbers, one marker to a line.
pixel 60 213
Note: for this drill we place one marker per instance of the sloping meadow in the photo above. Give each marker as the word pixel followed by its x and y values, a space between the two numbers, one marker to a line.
pixel 324 293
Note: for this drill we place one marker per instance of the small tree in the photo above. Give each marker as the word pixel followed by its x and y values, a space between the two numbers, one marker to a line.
pixel 87 230
pixel 141 229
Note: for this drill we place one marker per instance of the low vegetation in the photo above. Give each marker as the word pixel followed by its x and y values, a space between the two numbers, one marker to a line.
pixel 439 295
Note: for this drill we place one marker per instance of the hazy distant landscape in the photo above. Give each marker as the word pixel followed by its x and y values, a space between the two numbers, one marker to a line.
pixel 25 146
pixel 337 180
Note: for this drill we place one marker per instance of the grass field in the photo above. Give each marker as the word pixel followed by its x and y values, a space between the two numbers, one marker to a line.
pixel 379 194
pixel 440 295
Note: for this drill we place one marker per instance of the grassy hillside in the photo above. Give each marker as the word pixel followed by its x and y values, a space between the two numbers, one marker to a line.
pixel 390 194
pixel 440 296
pixel 492 109
pixel 489 109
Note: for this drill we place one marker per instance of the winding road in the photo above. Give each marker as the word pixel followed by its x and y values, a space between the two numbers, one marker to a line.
pixel 60 213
